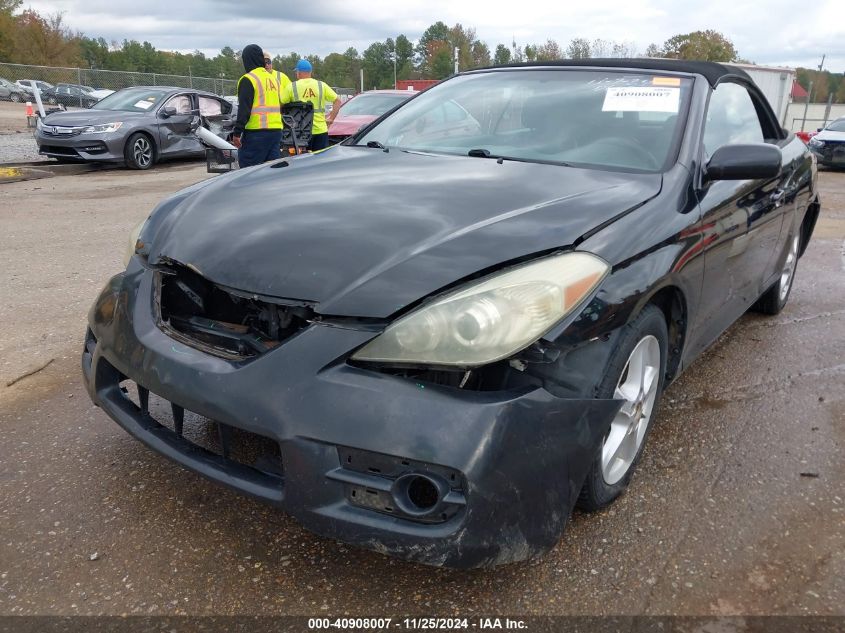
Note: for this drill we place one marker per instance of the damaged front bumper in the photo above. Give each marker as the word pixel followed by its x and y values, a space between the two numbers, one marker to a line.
pixel 423 472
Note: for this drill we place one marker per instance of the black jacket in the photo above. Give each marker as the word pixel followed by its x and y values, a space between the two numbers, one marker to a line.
pixel 253 57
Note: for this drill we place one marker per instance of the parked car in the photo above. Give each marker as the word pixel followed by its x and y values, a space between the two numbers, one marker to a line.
pixel 828 144
pixel 48 91
pixel 75 95
pixel 364 108
pixel 12 92
pixel 473 332
pixel 137 126
pixel 102 93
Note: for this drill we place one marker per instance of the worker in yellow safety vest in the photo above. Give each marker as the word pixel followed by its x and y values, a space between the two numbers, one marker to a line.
pixel 258 128
pixel 306 88
pixel 282 79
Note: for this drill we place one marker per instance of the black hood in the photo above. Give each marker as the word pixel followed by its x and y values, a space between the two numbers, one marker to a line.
pixel 361 232
pixel 252 57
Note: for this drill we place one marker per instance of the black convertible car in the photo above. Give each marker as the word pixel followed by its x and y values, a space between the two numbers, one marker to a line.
pixel 469 333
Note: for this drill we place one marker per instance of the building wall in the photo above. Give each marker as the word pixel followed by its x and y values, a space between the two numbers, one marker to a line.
pixel 815 116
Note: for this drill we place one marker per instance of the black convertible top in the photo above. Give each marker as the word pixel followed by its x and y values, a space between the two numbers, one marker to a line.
pixel 713 72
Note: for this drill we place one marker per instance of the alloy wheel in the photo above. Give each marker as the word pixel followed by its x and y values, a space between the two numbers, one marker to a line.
pixel 637 387
pixel 788 272
pixel 142 152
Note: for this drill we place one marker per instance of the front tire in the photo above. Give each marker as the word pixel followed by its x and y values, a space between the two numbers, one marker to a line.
pixel 139 152
pixel 15 97
pixel 774 299
pixel 635 374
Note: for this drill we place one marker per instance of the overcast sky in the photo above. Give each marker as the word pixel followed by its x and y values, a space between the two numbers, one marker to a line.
pixel 772 32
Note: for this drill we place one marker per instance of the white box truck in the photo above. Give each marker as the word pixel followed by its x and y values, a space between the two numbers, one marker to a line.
pixel 776 84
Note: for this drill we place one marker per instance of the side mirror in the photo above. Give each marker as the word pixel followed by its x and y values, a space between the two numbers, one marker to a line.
pixel 744 162
pixel 819 129
pixel 168 112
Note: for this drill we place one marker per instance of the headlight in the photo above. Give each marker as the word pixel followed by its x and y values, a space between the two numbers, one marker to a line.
pixel 814 142
pixel 105 128
pixel 490 319
pixel 133 242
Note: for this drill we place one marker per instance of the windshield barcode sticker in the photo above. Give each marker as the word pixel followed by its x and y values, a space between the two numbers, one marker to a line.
pixel 644 99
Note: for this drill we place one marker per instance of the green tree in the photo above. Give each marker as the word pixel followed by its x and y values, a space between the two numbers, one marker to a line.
pixel 502 55
pixel 44 40
pixel 440 54
pixel 377 61
pixel 404 57
pixel 578 48
pixel 549 51
pixel 480 54
pixel 706 45
pixel 7 27
pixel 437 32
pixel 653 50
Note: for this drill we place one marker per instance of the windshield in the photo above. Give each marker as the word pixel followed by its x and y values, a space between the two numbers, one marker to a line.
pixel 837 126
pixel 373 104
pixel 608 119
pixel 131 100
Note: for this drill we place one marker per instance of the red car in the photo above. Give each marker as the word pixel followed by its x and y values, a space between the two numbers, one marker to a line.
pixel 363 109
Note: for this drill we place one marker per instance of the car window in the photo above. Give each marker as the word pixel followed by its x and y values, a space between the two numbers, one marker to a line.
pixel 731 118
pixel 182 103
pixel 373 104
pixel 210 107
pixel 132 100
pixel 598 119
pixel 837 126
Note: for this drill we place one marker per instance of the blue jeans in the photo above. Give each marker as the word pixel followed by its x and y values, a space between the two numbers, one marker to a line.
pixel 319 141
pixel 259 146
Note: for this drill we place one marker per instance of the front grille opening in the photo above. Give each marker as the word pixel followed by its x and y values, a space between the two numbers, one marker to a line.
pixel 246 448
pixel 205 315
pixel 495 377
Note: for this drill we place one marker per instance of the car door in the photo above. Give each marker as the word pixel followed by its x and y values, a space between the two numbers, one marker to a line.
pixel 175 133
pixel 216 115
pixel 743 218
pixel 5 93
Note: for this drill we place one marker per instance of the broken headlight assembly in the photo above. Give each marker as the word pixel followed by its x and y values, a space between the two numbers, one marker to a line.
pixel 492 318
pixel 132 244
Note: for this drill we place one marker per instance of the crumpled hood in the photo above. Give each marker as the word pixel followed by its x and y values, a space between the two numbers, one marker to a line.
pixel 363 232
pixel 830 135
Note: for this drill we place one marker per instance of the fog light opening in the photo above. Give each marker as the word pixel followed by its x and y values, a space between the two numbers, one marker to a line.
pixel 422 493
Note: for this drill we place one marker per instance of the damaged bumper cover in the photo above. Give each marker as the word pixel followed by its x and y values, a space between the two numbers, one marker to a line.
pixel 427 473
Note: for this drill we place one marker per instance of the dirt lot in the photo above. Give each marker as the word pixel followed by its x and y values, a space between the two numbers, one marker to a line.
pixel 719 519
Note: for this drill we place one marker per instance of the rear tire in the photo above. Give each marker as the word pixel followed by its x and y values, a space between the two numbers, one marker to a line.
pixel 774 299
pixel 139 152
pixel 635 374
pixel 15 97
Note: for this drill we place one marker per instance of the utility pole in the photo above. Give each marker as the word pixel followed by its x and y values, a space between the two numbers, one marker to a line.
pixel 362 80
pixel 807 105
pixel 821 65
pixel 457 50
pixel 394 67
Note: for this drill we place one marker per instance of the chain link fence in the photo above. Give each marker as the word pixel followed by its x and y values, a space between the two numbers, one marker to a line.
pixel 67 80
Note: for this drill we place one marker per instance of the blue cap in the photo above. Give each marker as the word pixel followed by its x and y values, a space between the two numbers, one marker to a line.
pixel 303 66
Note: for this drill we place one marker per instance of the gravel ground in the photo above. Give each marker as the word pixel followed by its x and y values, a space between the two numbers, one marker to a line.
pixel 19 147
pixel 718 521
pixel 17 144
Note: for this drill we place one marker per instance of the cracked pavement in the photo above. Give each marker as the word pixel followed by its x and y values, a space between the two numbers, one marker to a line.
pixel 737 507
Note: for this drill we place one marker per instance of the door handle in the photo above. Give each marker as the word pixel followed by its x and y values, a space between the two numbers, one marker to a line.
pixel 777 196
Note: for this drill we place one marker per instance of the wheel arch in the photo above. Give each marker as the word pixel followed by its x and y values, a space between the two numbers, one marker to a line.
pixel 808 224
pixel 672 303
